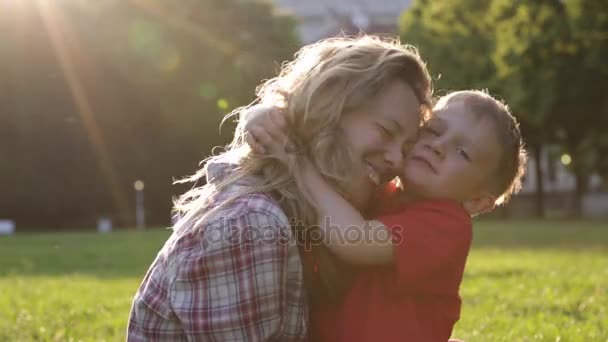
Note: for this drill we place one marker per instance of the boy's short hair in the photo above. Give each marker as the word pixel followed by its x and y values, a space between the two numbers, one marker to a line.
pixel 507 177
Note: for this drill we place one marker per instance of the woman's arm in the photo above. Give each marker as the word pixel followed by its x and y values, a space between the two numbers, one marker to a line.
pixel 347 234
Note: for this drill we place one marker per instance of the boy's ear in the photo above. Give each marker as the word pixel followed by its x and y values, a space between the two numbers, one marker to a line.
pixel 480 205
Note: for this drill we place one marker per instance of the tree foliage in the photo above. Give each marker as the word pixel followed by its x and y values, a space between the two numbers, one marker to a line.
pixel 455 43
pixel 551 56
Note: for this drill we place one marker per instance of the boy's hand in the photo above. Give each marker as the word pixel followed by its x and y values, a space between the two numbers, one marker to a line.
pixel 265 129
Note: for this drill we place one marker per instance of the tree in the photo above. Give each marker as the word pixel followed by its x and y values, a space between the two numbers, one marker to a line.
pixel 582 105
pixel 523 36
pixel 454 40
pixel 551 57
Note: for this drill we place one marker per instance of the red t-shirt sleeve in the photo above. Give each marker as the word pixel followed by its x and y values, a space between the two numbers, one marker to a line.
pixel 427 236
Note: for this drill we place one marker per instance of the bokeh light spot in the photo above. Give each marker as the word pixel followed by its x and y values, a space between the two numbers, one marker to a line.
pixel 222 104
pixel 169 60
pixel 138 185
pixel 145 38
pixel 207 91
pixel 566 159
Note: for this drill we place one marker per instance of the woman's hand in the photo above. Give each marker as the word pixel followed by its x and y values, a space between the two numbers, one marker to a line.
pixel 266 129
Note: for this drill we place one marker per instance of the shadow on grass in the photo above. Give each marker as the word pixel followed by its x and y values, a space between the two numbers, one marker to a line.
pixel 497 274
pixel 114 255
pixel 571 310
pixel 546 234
pixel 129 254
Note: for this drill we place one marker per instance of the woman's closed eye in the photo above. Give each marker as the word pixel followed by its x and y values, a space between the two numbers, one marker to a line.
pixel 430 130
pixel 385 131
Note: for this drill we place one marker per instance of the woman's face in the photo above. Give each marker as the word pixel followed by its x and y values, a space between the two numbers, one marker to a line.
pixel 380 135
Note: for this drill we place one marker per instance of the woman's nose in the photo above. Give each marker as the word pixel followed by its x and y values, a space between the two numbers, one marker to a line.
pixel 394 156
pixel 436 147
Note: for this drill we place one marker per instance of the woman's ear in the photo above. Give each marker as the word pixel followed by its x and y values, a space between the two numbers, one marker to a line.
pixel 480 205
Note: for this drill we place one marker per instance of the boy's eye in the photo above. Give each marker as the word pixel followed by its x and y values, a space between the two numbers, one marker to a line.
pixel 464 154
pixel 385 131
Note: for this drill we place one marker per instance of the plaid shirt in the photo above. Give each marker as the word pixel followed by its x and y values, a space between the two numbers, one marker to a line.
pixel 239 278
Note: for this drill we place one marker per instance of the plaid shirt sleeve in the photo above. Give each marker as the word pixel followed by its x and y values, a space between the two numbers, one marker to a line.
pixel 241 281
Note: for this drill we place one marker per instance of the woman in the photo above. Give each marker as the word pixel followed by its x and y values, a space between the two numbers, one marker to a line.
pixel 352 105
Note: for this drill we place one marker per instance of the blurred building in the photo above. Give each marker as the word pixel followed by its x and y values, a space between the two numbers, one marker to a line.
pixel 556 176
pixel 324 18
pixel 559 185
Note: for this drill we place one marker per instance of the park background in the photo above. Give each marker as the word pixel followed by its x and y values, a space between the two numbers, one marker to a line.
pixel 103 104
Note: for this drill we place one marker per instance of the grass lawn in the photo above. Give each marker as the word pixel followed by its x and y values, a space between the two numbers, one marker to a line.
pixel 525 281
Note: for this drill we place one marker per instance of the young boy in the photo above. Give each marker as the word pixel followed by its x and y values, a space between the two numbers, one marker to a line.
pixel 469 157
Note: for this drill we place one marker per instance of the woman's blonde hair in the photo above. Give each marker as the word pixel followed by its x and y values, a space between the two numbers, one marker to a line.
pixel 324 81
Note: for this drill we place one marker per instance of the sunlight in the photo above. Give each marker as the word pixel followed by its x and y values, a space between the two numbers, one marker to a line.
pixel 12 12
pixel 13 3
pixel 61 37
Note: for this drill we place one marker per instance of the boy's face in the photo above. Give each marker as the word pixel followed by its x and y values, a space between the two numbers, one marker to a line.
pixel 454 157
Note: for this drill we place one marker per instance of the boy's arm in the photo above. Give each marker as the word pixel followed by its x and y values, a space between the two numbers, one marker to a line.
pixel 265 128
pixel 347 234
pixel 369 242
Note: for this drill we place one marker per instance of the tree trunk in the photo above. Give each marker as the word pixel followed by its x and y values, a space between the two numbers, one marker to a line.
pixel 540 185
pixel 580 190
pixel 505 212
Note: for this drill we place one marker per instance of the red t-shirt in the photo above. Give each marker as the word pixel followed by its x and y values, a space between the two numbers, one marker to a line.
pixel 416 299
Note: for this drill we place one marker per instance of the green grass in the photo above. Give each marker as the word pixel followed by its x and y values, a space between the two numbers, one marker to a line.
pixel 525 281
pixel 528 281
pixel 71 286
